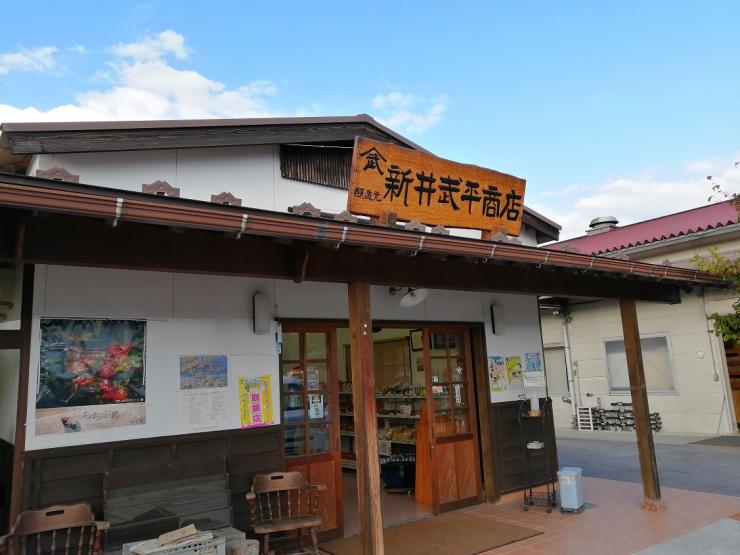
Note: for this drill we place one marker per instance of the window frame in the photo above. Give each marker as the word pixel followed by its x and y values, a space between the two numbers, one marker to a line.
pixel 671 363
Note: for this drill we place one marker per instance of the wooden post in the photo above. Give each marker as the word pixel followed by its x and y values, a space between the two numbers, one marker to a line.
pixel 16 493
pixel 490 488
pixel 638 389
pixel 366 424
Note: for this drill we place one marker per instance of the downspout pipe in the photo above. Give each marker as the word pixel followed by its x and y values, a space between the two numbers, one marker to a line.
pixel 565 315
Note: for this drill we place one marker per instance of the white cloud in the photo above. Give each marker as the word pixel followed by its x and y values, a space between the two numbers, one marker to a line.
pixel 154 47
pixel 394 100
pixel 405 112
pixel 143 84
pixel 632 200
pixel 146 79
pixel 38 60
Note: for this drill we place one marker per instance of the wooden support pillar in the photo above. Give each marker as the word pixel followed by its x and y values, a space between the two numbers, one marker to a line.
pixel 366 424
pixel 16 493
pixel 638 389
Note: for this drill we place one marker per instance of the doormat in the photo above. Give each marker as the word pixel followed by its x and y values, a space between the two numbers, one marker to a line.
pixel 720 441
pixel 451 534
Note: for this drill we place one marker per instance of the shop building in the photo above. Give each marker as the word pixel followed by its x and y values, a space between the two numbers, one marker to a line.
pixel 690 383
pixel 233 309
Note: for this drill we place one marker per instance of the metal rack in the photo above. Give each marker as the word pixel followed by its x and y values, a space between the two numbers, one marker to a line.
pixel 535 439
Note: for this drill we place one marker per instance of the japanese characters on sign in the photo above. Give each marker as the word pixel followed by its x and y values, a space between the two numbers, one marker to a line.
pixel 418 186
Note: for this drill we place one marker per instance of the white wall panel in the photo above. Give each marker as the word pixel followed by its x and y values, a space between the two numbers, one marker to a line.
pixel 197 314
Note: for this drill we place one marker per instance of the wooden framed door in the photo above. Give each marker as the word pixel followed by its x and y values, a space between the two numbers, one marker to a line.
pixel 455 458
pixel 310 415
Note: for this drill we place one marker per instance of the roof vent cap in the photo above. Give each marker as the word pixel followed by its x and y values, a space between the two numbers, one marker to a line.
pixel 602 224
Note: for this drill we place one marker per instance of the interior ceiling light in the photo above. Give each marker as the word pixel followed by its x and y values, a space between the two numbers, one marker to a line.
pixel 412 297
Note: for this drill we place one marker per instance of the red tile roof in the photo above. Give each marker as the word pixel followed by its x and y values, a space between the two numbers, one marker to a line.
pixel 650 231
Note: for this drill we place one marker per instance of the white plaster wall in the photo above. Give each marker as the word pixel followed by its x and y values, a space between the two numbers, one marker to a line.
pixel 552 336
pixel 9 366
pixel 198 314
pixel 699 404
pixel 251 173
pixel 11 282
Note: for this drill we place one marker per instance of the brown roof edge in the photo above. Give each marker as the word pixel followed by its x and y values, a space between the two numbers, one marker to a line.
pixel 40 127
pixel 86 200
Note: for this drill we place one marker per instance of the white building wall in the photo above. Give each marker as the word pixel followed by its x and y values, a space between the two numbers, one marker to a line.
pixel 200 314
pixel 11 282
pixel 699 403
pixel 251 173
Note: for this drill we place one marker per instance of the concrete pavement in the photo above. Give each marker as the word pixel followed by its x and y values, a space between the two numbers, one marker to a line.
pixel 681 463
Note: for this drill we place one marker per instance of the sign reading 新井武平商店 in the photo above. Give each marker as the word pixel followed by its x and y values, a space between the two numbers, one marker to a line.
pixel 415 185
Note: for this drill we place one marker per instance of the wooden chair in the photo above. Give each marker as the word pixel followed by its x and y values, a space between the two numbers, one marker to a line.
pixel 68 529
pixel 284 502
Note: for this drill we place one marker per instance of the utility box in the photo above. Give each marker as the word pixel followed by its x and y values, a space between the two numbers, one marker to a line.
pixel 571 489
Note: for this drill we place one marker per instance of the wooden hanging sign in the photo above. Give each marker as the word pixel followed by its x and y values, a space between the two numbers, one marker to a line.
pixel 414 185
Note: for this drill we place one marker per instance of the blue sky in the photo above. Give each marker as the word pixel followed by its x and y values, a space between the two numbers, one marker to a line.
pixel 617 108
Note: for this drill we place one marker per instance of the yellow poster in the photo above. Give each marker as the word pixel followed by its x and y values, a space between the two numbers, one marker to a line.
pixel 255 401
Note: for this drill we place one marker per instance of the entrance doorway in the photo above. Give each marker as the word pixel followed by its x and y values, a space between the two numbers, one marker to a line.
pixel 428 448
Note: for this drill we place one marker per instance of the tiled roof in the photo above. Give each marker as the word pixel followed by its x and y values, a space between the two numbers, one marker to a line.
pixel 650 231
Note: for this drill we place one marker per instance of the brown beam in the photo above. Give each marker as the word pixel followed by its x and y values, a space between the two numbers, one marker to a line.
pixel 16 494
pixel 366 425
pixel 640 407
pixel 20 238
pixel 302 257
pixel 88 242
pixel 480 362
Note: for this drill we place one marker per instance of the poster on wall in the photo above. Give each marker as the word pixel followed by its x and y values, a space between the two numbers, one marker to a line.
pixel 255 401
pixel 514 372
pixel 203 386
pixel 91 375
pixel 203 371
pixel 534 375
pixel 497 374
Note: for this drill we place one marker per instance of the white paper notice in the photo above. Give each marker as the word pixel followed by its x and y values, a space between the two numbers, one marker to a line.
pixel 203 408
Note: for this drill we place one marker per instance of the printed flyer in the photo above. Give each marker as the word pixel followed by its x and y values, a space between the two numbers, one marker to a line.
pixel 255 401
pixel 534 375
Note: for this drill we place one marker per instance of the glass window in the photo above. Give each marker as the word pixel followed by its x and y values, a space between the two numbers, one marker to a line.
pixel 555 370
pixel 305 378
pixel 450 382
pixel 656 361
pixel 316 346
pixel 295 441
pixel 319 439
pixel 291 346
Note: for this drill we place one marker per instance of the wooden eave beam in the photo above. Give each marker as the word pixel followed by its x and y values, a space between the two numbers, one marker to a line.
pixel 123 206
pixel 90 242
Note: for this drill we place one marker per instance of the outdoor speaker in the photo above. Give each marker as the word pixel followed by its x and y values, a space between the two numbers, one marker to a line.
pixel 261 313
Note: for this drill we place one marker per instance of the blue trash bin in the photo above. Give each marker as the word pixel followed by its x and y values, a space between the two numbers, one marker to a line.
pixel 571 489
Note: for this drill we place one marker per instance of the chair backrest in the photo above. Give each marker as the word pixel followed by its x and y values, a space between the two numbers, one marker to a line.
pixel 68 529
pixel 282 495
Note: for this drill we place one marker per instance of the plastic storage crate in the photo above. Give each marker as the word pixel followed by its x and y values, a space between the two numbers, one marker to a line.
pixel 211 546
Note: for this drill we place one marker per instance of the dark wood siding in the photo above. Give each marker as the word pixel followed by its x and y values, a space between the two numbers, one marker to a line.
pixel 326 165
pixel 78 474
pixel 507 448
pixel 6 480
